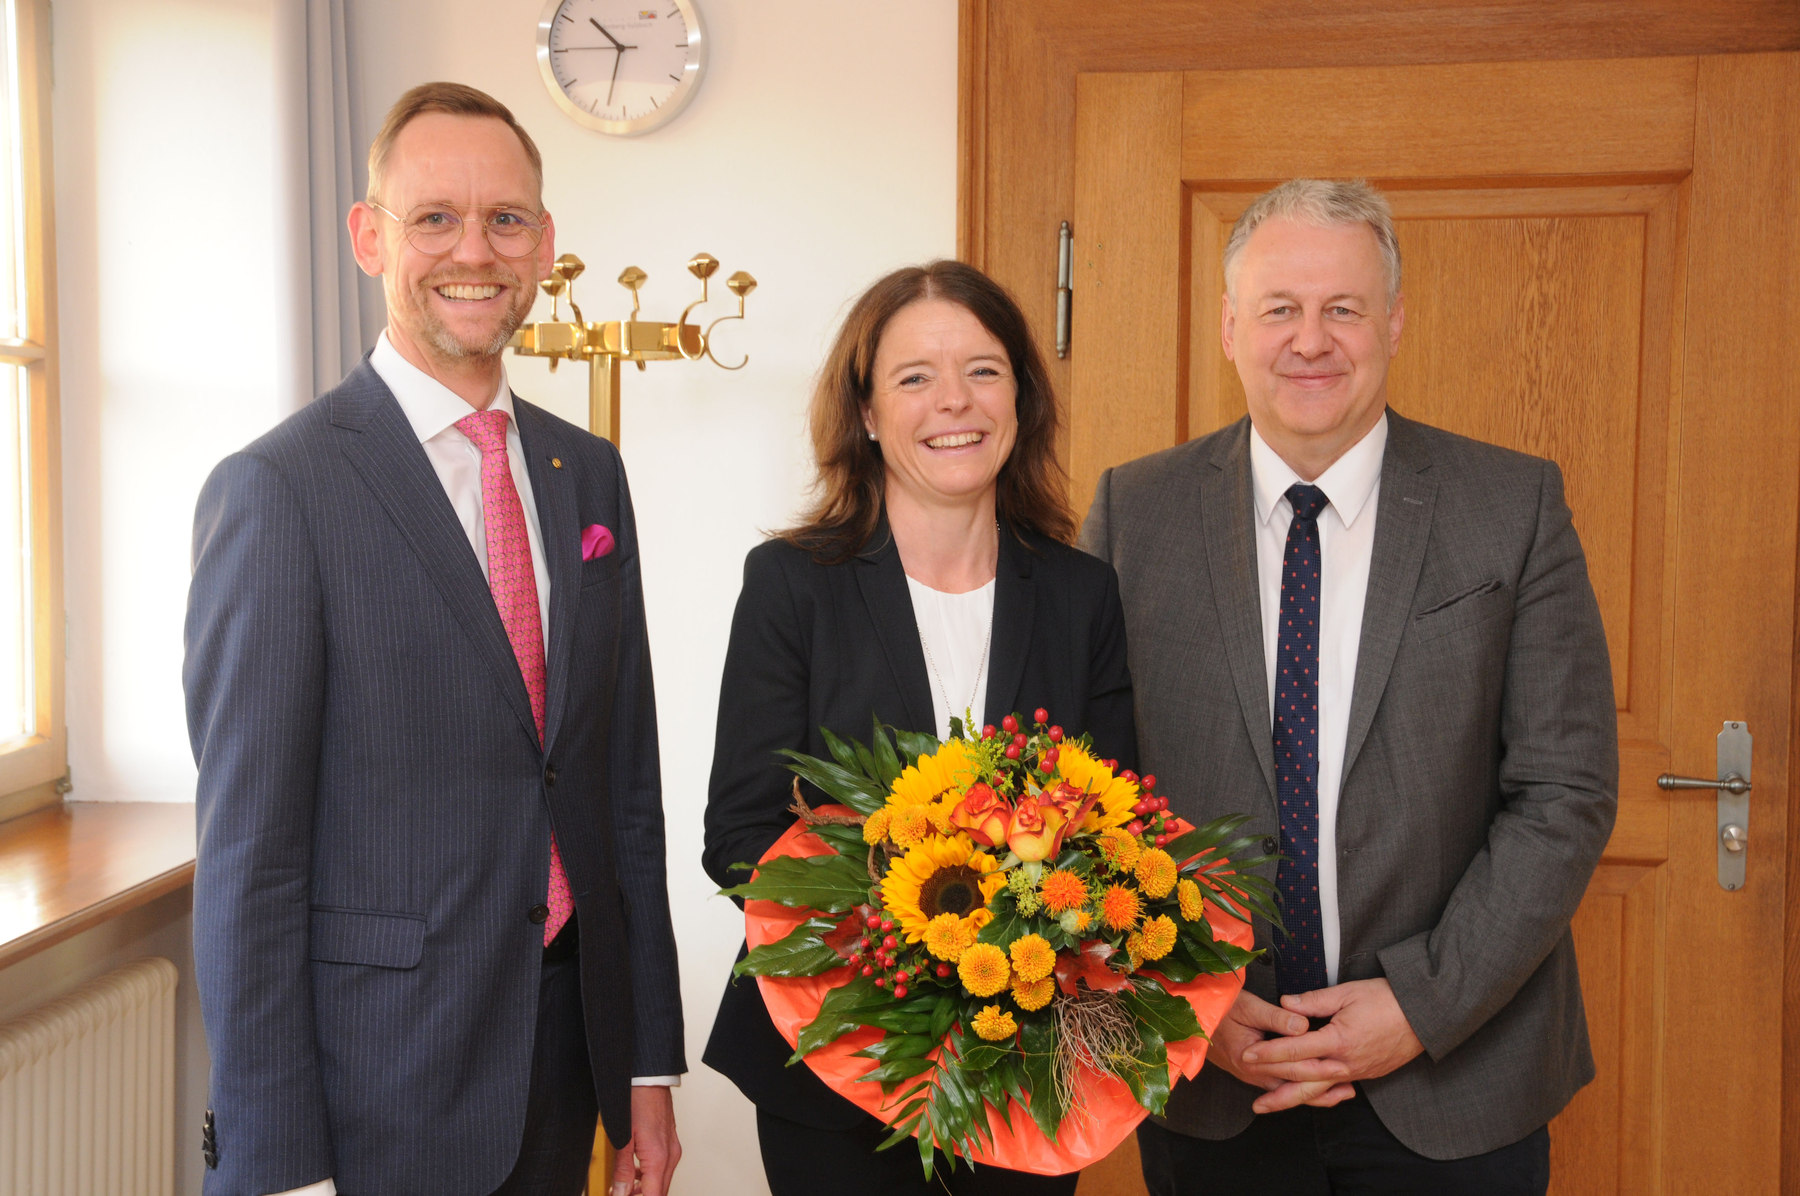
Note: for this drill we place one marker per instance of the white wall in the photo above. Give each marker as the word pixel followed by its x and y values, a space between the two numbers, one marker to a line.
pixel 819 153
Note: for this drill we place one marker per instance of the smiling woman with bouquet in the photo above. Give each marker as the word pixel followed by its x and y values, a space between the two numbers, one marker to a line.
pixel 933 576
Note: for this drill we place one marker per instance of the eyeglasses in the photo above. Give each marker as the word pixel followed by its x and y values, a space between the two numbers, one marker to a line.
pixel 437 228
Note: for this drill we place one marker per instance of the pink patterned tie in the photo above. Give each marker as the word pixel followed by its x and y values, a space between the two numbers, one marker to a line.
pixel 514 584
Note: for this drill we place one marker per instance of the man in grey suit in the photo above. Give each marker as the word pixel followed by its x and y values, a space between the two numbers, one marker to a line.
pixel 431 923
pixel 1380 640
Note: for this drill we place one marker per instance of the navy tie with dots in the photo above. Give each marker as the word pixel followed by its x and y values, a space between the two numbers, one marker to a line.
pixel 1300 961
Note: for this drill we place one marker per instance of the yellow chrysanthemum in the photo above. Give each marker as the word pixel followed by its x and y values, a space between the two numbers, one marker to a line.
pixel 1119 849
pixel 944 874
pixel 1032 957
pixel 994 1025
pixel 939 813
pixel 948 936
pixel 1117 795
pixel 983 969
pixel 875 827
pixel 1193 902
pixel 1120 907
pixel 1063 891
pixel 1156 873
pixel 945 772
pixel 1033 995
pixel 1155 939
pixel 908 826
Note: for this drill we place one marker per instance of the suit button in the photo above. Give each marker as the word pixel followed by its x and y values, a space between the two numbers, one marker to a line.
pixel 1270 844
pixel 539 915
pixel 549 777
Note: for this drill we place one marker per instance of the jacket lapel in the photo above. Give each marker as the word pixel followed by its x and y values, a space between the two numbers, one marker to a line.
pixel 1402 529
pixel 883 585
pixel 1015 604
pixel 381 446
pixel 553 489
pixel 1227 515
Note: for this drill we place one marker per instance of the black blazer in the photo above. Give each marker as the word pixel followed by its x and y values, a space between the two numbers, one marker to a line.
pixel 836 646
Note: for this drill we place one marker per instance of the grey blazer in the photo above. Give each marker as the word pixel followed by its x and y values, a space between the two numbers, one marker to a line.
pixel 1480 772
pixel 375 810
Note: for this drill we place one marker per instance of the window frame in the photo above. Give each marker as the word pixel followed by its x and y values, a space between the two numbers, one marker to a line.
pixel 34 769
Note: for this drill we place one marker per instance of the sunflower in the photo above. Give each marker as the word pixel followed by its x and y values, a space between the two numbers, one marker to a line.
pixel 983 969
pixel 1033 995
pixel 1193 905
pixel 1063 891
pixel 994 1025
pixel 1156 873
pixel 1032 957
pixel 944 773
pixel 1119 907
pixel 1117 795
pixel 942 875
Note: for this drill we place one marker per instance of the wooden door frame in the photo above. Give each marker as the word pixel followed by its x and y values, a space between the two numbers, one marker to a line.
pixel 1016 161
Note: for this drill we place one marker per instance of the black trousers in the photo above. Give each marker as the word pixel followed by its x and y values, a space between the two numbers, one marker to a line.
pixel 801 1161
pixel 561 1111
pixel 1332 1152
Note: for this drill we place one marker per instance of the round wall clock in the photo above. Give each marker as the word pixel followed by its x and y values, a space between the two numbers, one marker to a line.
pixel 622 67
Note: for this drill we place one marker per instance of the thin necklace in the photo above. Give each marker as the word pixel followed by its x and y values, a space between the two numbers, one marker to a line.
pixel 987 640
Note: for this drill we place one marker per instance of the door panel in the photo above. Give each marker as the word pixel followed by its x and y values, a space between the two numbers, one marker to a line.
pixel 1598 269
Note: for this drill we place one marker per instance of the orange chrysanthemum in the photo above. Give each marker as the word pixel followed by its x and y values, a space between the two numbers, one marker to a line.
pixel 1155 939
pixel 908 826
pixel 1033 995
pixel 983 969
pixel 1119 849
pixel 875 827
pixel 1063 891
pixel 1193 903
pixel 1156 873
pixel 947 936
pixel 1120 907
pixel 994 1025
pixel 1032 957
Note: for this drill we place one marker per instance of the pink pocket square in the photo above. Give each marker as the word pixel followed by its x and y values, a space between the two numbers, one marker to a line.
pixel 596 541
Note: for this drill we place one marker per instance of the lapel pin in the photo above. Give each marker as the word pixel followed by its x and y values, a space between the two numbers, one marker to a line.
pixel 556 463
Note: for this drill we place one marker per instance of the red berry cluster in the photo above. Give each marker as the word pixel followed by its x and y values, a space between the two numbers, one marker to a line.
pixel 880 950
pixel 1021 743
pixel 1152 811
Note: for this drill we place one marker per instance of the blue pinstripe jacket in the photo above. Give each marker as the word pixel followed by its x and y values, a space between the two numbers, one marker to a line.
pixel 375 810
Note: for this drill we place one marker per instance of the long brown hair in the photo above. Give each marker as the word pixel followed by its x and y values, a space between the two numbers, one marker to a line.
pixel 1032 489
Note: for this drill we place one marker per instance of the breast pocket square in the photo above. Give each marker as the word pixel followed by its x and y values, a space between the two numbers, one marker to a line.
pixel 596 541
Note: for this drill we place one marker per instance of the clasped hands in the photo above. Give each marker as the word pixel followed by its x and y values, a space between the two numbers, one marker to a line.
pixel 1368 1036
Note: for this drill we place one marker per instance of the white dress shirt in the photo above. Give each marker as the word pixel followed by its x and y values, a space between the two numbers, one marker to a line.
pixel 955 631
pixel 1352 487
pixel 433 409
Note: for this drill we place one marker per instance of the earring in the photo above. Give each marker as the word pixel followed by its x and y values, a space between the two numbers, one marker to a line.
pixel 871 435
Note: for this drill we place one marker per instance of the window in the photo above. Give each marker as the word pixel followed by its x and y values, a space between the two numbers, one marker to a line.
pixel 33 751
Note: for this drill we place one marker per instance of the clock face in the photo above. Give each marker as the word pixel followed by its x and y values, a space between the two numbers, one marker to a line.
pixel 621 66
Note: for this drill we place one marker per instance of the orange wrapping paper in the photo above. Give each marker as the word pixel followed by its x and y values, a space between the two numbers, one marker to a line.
pixel 1083 1138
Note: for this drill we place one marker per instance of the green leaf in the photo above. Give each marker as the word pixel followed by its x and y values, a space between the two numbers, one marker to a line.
pixel 802 953
pixel 839 1013
pixel 983 1055
pixel 887 764
pixel 846 841
pixel 831 884
pixel 900 1046
pixel 844 753
pixel 1155 1008
pixel 1038 1043
pixel 1148 1075
pixel 897 1070
pixel 943 1015
pixel 1008 923
pixel 859 792
pixel 913 744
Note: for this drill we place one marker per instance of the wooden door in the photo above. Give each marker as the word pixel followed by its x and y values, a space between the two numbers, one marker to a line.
pixel 1600 267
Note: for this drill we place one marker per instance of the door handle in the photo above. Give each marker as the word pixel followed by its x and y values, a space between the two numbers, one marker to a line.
pixel 1733 786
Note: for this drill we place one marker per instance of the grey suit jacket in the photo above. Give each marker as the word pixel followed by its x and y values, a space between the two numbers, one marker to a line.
pixel 375 809
pixel 1480 771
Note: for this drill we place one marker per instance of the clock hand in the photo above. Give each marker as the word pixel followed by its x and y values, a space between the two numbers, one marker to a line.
pixel 609 37
pixel 611 87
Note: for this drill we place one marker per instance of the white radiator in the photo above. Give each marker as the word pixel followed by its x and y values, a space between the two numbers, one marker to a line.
pixel 87 1089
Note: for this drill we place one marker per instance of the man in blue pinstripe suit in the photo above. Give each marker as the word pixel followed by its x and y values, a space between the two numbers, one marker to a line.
pixel 431 921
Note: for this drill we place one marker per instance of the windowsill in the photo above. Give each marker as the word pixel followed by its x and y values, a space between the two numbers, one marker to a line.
pixel 73 866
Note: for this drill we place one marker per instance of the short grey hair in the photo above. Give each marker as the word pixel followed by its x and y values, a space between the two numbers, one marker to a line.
pixel 1321 202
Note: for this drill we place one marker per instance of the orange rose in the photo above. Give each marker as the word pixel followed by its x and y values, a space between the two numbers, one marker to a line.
pixel 1036 830
pixel 984 814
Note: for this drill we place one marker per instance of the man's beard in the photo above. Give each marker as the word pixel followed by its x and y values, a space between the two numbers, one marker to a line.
pixel 445 342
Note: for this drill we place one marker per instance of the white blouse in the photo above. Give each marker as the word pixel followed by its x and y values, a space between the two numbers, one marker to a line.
pixel 955 631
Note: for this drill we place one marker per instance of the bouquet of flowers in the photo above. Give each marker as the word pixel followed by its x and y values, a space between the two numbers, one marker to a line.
pixel 995 924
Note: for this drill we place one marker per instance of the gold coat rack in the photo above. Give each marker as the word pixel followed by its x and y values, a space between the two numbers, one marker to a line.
pixel 604 345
